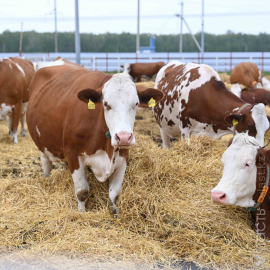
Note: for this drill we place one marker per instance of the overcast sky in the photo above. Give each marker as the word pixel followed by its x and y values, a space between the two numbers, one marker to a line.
pixel 117 16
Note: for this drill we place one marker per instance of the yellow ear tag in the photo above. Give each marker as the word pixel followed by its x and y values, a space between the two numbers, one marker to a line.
pixel 151 102
pixel 234 121
pixel 91 105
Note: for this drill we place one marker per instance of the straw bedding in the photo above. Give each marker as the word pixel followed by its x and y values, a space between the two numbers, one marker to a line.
pixel 166 211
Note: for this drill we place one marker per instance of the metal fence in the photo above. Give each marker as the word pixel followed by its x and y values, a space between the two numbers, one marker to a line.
pixel 111 62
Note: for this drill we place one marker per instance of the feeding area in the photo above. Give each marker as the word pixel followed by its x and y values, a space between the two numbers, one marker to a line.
pixel 166 214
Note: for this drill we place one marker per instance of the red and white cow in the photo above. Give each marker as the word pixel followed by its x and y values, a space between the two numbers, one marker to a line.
pixel 248 74
pixel 252 95
pixel 245 180
pixel 16 75
pixel 98 135
pixel 137 70
pixel 196 101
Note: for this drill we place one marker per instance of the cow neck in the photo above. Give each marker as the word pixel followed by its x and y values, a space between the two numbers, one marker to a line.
pixel 242 108
pixel 263 192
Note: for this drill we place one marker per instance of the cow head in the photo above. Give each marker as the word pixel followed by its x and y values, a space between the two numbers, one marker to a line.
pixel 126 68
pixel 238 182
pixel 265 84
pixel 120 98
pixel 251 119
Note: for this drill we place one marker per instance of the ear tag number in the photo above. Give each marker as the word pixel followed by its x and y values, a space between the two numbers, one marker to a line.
pixel 235 122
pixel 151 102
pixel 91 105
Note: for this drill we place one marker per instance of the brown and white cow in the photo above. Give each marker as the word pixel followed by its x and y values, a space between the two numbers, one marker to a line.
pixel 16 75
pixel 248 74
pixel 252 95
pixel 64 128
pixel 137 70
pixel 196 101
pixel 245 180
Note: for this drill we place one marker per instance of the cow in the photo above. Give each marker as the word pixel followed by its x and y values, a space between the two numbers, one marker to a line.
pixel 137 70
pixel 85 118
pixel 196 101
pixel 248 74
pixel 245 180
pixel 252 95
pixel 16 75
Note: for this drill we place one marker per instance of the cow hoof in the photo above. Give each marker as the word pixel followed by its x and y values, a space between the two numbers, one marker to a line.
pixel 23 134
pixel 115 212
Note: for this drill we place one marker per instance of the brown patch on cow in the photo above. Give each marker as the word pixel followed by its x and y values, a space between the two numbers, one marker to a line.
pixel 171 123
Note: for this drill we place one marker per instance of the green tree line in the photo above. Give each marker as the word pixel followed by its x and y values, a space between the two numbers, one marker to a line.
pixel 126 42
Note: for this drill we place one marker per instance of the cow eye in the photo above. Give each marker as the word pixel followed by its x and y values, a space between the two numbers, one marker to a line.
pixel 107 106
pixel 248 164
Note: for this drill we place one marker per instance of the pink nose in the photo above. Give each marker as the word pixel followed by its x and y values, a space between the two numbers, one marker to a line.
pixel 218 197
pixel 123 138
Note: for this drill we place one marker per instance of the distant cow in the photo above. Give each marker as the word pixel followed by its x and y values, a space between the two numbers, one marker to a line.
pixel 16 75
pixel 197 101
pixel 98 135
pixel 136 71
pixel 252 95
pixel 248 74
pixel 245 180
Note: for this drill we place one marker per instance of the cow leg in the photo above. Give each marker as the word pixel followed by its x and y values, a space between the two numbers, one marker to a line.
pixel 15 122
pixel 80 184
pixel 9 119
pixel 23 132
pixel 165 139
pixel 23 117
pixel 46 164
pixel 115 185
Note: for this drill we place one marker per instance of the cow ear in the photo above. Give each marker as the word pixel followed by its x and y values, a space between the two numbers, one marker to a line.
pixel 145 94
pixel 86 94
pixel 234 118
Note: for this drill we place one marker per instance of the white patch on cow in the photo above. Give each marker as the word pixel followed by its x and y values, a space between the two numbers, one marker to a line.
pixel 20 68
pixel 5 110
pixel 10 66
pixel 236 89
pixel 261 122
pixel 50 156
pixel 265 84
pixel 24 107
pixel 259 85
pixel 38 132
pixel 120 93
pixel 126 68
pixel 101 165
pixel 59 62
pixel 238 181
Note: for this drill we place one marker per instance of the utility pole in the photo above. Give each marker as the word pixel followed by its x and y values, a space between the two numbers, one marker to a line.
pixel 77 34
pixel 55 23
pixel 181 30
pixel 21 35
pixel 202 41
pixel 138 29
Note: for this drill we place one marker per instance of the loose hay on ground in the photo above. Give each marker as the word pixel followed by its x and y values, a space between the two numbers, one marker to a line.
pixel 166 210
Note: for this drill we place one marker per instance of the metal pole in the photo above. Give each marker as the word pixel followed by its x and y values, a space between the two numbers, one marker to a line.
pixel 77 34
pixel 138 29
pixel 181 30
pixel 20 49
pixel 196 42
pixel 55 23
pixel 202 42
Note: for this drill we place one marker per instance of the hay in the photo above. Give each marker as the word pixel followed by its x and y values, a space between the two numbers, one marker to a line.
pixel 166 211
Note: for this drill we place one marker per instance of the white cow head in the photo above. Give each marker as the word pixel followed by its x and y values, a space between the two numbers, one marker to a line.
pixel 236 89
pixel 265 84
pixel 120 98
pixel 238 183
pixel 126 68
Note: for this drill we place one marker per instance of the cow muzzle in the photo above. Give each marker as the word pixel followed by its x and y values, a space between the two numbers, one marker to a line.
pixel 123 138
pixel 218 197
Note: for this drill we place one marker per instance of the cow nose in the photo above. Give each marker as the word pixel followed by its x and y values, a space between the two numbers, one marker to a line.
pixel 218 197
pixel 123 138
